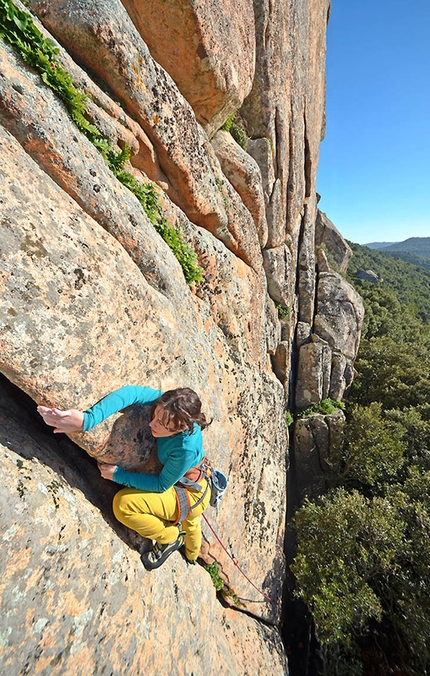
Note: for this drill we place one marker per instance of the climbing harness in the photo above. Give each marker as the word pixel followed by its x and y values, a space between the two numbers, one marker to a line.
pixel 236 563
pixel 215 481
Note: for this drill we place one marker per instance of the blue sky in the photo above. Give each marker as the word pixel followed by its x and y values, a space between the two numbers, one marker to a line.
pixel 374 168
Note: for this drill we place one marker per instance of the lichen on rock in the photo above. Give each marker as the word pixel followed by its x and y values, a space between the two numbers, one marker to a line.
pixel 93 299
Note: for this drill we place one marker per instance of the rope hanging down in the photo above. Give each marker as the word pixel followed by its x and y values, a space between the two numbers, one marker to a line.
pixel 236 563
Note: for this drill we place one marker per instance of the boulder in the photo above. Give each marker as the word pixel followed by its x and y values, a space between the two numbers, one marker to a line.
pixel 368 276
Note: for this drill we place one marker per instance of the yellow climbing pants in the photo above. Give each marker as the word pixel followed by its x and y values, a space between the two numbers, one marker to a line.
pixel 152 515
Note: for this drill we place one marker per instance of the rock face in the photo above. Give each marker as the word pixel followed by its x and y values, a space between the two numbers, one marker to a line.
pixel 75 597
pixel 213 56
pixel 244 174
pixel 93 298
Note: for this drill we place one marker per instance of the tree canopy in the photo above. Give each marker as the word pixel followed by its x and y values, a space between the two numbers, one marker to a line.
pixel 363 549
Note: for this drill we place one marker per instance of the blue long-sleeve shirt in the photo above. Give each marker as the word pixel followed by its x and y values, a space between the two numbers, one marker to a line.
pixel 177 453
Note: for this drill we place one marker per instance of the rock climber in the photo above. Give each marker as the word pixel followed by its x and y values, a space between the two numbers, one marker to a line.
pixel 149 503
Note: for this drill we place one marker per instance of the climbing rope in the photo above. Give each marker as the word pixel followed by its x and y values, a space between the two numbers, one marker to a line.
pixel 236 563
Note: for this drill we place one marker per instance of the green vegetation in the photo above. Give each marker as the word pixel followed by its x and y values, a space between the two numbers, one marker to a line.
pixel 283 311
pixel 325 407
pixel 221 586
pixel 213 570
pixel 18 29
pixel 408 283
pixel 289 418
pixel 147 194
pixel 239 134
pixel 363 554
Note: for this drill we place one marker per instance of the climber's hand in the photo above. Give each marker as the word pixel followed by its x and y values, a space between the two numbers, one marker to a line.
pixel 62 421
pixel 106 470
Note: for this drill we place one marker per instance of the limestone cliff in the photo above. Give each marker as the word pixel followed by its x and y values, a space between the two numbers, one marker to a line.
pixel 94 298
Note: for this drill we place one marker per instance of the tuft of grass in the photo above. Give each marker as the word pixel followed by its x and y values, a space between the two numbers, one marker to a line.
pixel 324 407
pixel 213 570
pixel 289 418
pixel 18 29
pixel 147 194
pixel 239 134
pixel 221 586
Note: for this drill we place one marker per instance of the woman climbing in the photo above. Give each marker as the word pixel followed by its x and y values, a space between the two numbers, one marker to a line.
pixel 150 504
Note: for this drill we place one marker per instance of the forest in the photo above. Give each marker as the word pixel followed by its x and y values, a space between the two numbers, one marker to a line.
pixel 363 551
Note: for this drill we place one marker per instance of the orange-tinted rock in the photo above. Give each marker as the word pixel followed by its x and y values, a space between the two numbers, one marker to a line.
pixel 213 56
pixel 108 43
pixel 244 174
pixel 79 169
pixel 287 107
pixel 75 597
pixel 234 292
pixel 92 299
pixel 79 320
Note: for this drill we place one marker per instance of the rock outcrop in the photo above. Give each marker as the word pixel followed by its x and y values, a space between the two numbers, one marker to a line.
pixel 368 276
pixel 94 298
pixel 207 48
pixel 328 236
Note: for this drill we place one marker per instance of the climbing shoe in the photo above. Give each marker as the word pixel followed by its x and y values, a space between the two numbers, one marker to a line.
pixel 159 553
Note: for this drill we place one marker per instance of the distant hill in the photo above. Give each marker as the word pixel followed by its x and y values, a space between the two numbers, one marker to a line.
pixel 410 283
pixel 379 245
pixel 415 250
pixel 416 245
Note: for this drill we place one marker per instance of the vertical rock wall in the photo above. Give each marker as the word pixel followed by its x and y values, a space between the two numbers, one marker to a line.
pixel 93 298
